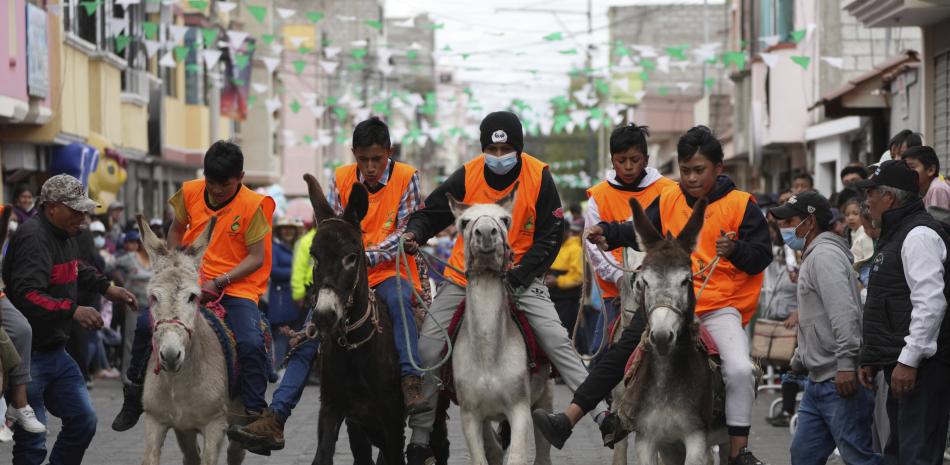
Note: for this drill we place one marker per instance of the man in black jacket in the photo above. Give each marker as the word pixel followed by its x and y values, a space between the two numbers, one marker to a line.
pixel 906 332
pixel 43 275
pixel 535 237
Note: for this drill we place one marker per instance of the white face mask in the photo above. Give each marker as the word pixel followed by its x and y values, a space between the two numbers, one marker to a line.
pixel 99 242
pixel 501 164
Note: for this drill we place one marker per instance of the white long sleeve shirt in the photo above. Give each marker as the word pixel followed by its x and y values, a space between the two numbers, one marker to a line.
pixel 923 254
pixel 606 268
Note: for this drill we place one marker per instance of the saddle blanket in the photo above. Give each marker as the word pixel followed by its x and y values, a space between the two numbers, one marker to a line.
pixel 536 356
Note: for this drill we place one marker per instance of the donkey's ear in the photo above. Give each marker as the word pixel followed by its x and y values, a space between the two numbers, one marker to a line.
pixel 358 204
pixel 321 208
pixel 455 205
pixel 687 237
pixel 154 246
pixel 508 202
pixel 647 235
pixel 4 222
pixel 197 248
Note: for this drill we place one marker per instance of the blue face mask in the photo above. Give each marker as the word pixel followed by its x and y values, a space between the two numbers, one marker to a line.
pixel 501 164
pixel 791 238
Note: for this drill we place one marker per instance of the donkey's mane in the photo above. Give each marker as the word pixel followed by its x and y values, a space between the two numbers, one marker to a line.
pixel 666 254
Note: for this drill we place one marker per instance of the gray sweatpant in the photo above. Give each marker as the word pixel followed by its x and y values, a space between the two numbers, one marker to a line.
pixel 20 332
pixel 725 327
pixel 551 336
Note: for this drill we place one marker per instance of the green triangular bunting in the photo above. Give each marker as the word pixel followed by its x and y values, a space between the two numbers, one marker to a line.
pixel 121 41
pixel 801 61
pixel 314 16
pixel 181 52
pixel 554 36
pixel 378 25
pixel 150 29
pixel 91 7
pixel 268 38
pixel 210 36
pixel 258 12
pixel 199 4
pixel 798 35
pixel 299 65
pixel 295 106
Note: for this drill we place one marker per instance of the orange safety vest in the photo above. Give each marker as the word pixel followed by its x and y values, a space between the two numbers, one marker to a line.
pixel 728 286
pixel 614 205
pixel 227 247
pixel 381 219
pixel 524 216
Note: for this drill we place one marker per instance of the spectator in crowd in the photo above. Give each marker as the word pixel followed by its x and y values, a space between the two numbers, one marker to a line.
pixel 802 182
pixel 902 141
pixel 862 246
pixel 923 160
pixel 851 175
pixel 35 273
pixel 158 227
pixel 134 270
pixel 835 410
pixel 114 229
pixel 24 206
pixel 905 332
pixel 282 312
pixel 781 304
pixel 566 276
pixel 301 275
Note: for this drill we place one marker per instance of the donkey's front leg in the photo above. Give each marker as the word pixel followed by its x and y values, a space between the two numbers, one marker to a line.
pixel 519 416
pixel 154 438
pixel 213 434
pixel 328 430
pixel 472 424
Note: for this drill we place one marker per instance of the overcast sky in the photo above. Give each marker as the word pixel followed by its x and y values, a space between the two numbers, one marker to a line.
pixel 505 45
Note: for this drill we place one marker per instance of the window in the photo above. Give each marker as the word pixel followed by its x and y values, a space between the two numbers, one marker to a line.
pixel 777 18
pixel 134 79
pixel 194 77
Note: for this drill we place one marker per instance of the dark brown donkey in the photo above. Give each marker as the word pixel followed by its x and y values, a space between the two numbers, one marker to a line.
pixel 360 381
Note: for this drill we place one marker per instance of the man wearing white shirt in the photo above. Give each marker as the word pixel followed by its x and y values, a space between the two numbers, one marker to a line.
pixel 905 332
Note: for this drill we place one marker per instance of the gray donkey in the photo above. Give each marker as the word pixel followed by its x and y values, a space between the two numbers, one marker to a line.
pixel 669 400
pixel 190 392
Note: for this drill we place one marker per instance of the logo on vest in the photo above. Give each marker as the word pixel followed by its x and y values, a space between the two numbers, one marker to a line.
pixel 499 137
pixel 236 224
pixel 528 224
pixel 390 220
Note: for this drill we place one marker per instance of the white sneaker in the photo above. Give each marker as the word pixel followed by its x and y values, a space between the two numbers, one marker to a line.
pixel 26 417
pixel 6 434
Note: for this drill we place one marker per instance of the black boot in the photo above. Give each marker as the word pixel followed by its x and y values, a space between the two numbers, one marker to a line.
pixel 556 428
pixel 419 455
pixel 131 408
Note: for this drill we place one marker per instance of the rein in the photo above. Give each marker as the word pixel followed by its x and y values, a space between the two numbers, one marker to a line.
pixel 214 306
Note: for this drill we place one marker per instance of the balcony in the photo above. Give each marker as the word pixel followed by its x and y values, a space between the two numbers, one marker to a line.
pixel 897 13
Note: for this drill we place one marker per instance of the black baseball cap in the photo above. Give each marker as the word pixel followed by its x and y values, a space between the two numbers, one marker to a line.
pixel 892 173
pixel 804 204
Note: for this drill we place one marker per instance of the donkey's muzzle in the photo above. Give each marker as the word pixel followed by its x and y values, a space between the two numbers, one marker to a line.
pixel 171 358
pixel 662 341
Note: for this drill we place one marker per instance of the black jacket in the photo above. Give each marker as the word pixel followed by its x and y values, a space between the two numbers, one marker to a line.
pixel 42 275
pixel 887 311
pixel 548 234
pixel 753 245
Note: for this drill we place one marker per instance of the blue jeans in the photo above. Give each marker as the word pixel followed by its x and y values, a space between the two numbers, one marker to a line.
pixel 288 392
pixel 244 319
pixel 58 387
pixel 826 420
pixel 387 291
pixel 611 310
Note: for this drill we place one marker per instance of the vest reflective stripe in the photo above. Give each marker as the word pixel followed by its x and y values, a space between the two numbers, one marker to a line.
pixel 227 247
pixel 614 205
pixel 728 286
pixel 523 218
pixel 382 217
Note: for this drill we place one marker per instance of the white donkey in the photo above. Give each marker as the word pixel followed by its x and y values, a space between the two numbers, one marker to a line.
pixel 490 362
pixel 190 392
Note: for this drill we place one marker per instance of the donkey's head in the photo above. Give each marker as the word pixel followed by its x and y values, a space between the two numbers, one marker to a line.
pixel 338 257
pixel 666 278
pixel 173 293
pixel 484 228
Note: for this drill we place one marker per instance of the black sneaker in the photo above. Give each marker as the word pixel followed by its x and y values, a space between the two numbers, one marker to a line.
pixel 745 457
pixel 556 428
pixel 131 408
pixel 419 455
pixel 780 420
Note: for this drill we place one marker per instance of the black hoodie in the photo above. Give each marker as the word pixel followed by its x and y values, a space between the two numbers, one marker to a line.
pixel 753 245
pixel 548 233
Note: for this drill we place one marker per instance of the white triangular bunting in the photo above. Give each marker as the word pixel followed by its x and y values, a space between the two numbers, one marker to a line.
pixel 259 88
pixel 411 22
pixel 270 63
pixel 836 62
pixel 151 46
pixel 177 33
pixel 272 104
pixel 769 58
pixel 236 38
pixel 210 57
pixel 276 48
pixel 329 67
pixel 331 52
pixel 168 60
pixel 117 26
pixel 285 13
pixel 226 7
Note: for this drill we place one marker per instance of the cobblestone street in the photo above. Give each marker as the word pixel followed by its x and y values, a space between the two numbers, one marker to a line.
pixel 584 447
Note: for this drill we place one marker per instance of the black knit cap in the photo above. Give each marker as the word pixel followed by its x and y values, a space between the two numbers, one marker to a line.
pixel 502 127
